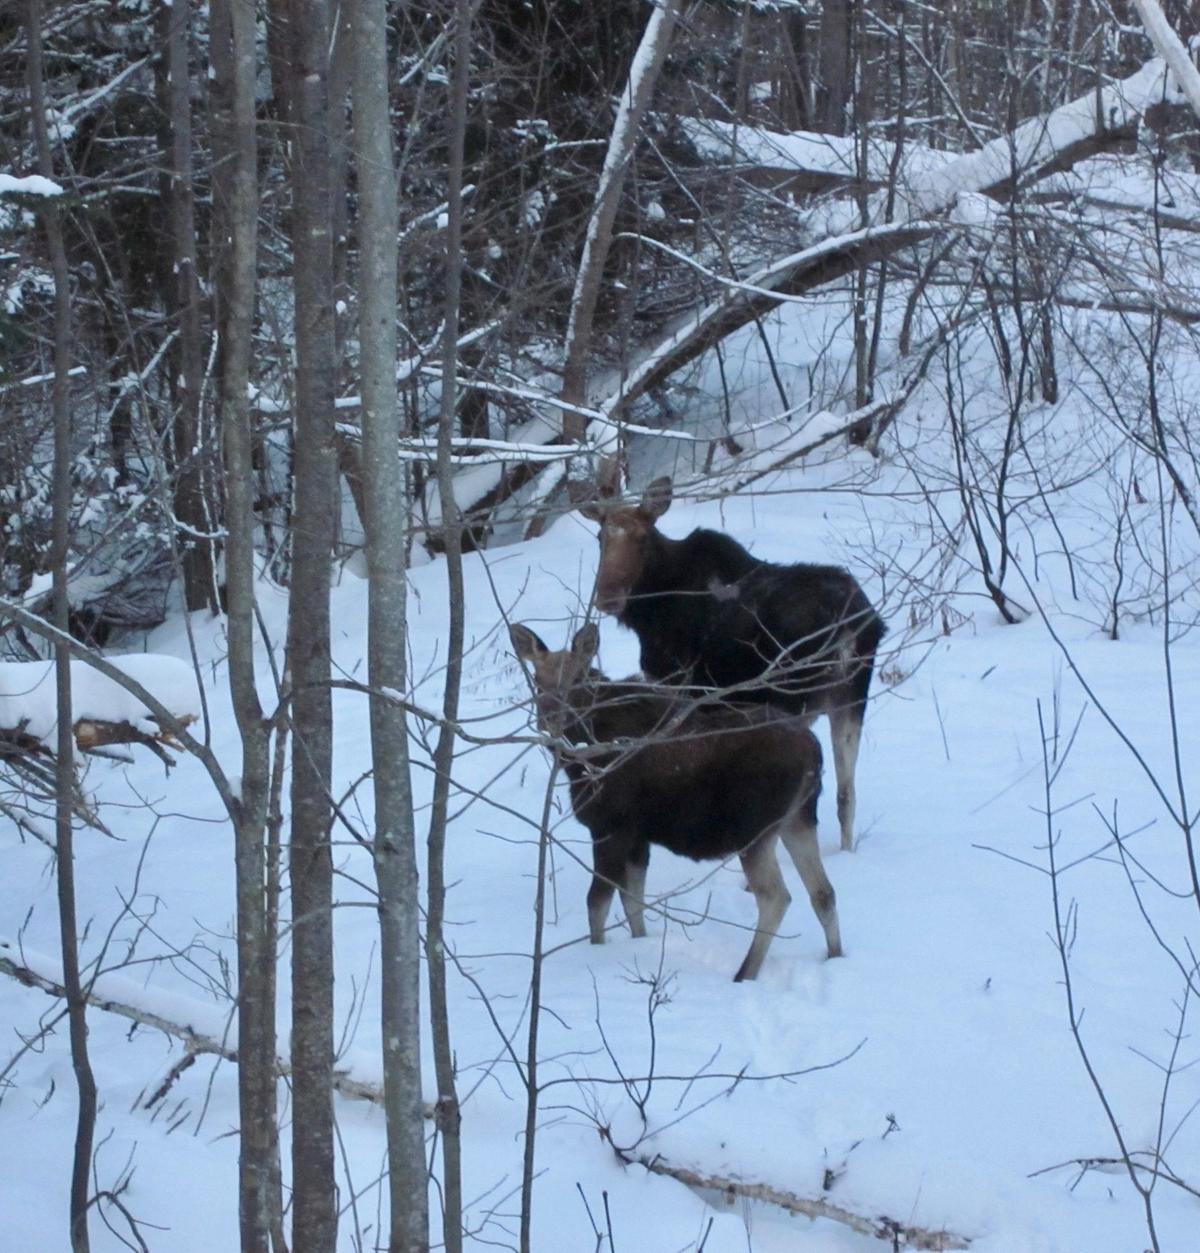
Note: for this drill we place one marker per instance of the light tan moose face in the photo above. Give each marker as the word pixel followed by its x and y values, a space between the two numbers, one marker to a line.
pixel 624 539
pixel 555 674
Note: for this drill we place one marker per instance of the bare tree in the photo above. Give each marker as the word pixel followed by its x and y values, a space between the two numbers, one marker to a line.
pixel 386 508
pixel 449 1115
pixel 235 222
pixel 834 65
pixel 85 1127
pixel 182 288
pixel 635 99
pixel 314 1213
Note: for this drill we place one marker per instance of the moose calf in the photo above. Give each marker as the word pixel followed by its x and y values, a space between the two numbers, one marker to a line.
pixel 705 781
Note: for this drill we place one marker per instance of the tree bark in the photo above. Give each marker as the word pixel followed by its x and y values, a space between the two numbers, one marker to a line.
pixel 386 508
pixel 448 1115
pixel 183 288
pixel 833 69
pixel 314 1217
pixel 85 1082
pixel 235 223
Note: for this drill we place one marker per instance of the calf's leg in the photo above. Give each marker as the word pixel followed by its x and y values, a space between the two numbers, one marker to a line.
pixel 799 835
pixel 762 874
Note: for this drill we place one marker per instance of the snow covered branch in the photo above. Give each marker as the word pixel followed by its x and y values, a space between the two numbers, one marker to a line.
pixel 1038 147
pixel 900 1235
pixel 1171 49
pixel 193 1040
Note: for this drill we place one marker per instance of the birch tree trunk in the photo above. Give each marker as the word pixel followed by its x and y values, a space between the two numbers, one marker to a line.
pixel 85 1082
pixel 386 510
pixel 1170 47
pixel 314 1216
pixel 235 224
pixel 635 99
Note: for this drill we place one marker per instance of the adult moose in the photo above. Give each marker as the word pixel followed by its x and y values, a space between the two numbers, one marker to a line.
pixel 703 781
pixel 708 614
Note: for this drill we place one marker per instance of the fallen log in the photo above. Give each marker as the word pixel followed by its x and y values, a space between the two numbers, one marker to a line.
pixel 91 735
pixel 899 1235
pixel 94 733
pixel 195 1042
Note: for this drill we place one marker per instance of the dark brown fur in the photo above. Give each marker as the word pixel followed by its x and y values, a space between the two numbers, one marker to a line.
pixel 704 781
pixel 800 637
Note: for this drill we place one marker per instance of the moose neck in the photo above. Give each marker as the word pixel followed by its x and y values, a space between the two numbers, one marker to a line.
pixel 600 711
pixel 675 571
pixel 664 570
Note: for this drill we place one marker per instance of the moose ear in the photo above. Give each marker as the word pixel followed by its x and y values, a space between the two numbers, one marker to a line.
pixel 525 642
pixel 593 510
pixel 657 499
pixel 586 643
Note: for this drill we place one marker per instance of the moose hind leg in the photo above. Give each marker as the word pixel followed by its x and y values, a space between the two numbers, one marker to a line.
pixel 771 894
pixel 845 726
pixel 633 890
pixel 799 835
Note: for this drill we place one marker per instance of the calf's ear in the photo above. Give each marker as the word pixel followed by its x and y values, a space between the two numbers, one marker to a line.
pixel 525 642
pixel 657 499
pixel 586 643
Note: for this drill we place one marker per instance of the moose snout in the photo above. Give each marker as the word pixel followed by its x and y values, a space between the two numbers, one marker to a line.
pixel 610 600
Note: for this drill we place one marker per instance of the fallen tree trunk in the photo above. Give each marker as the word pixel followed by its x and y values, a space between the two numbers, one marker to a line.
pixel 195 1042
pixel 899 1235
pixel 1036 149
pixel 92 734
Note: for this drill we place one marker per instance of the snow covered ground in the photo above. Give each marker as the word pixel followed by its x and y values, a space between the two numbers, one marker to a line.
pixel 930 1075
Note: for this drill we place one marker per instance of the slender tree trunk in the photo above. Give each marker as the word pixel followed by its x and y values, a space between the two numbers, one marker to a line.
pixel 448 1115
pixel 860 100
pixel 314 1213
pixel 235 221
pixel 85 1126
pixel 635 99
pixel 386 510
pixel 199 583
pixel 535 1011
pixel 834 66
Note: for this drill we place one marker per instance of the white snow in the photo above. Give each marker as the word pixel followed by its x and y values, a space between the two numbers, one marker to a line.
pixel 954 1093
pixel 28 185
pixel 27 693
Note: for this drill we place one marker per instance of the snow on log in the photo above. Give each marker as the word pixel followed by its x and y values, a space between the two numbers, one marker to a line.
pixel 1038 147
pixel 898 1233
pixel 817 160
pixel 1044 144
pixel 830 259
pixel 1185 78
pixel 105 712
pixel 28 185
